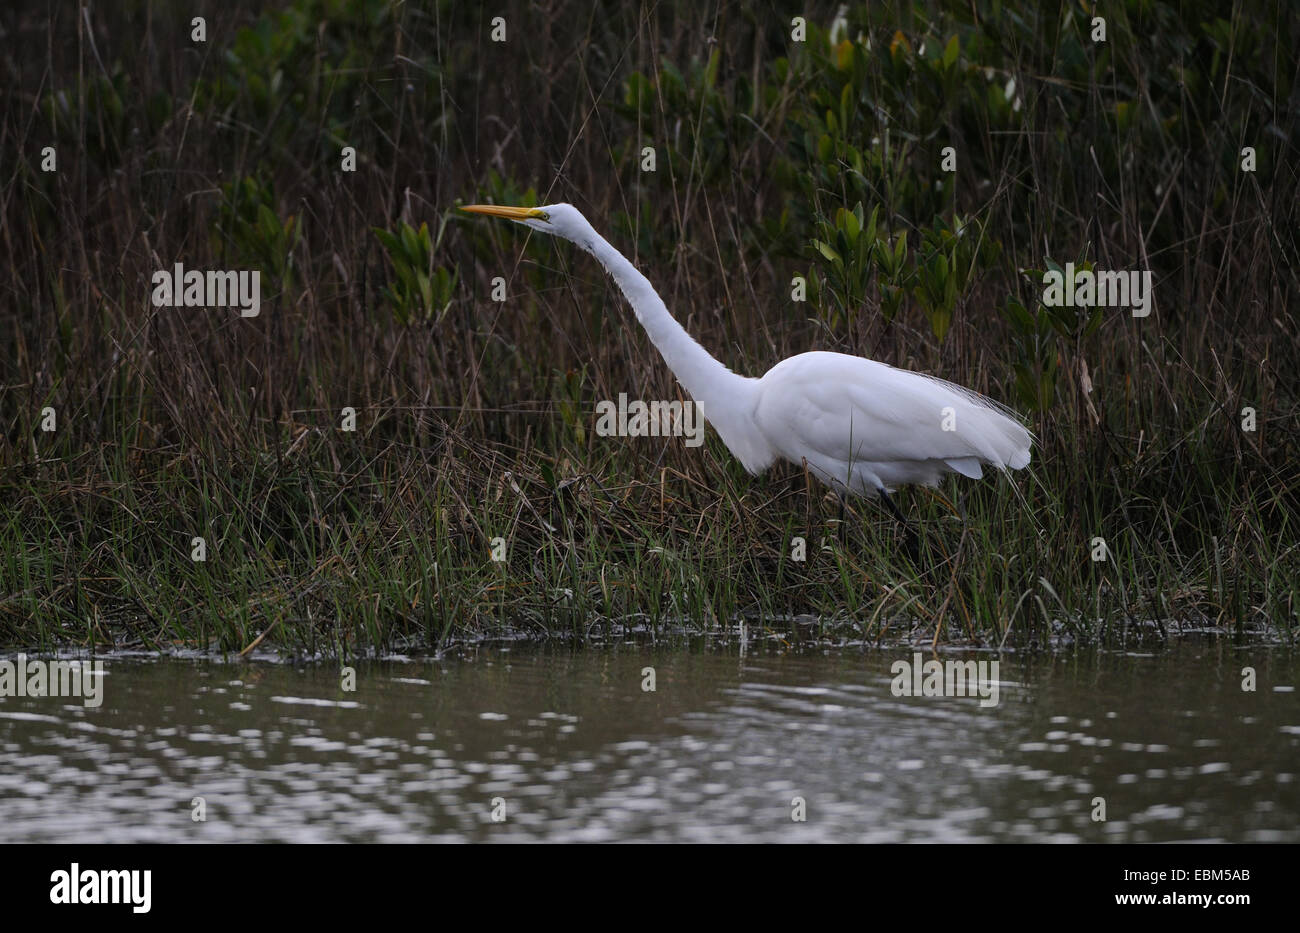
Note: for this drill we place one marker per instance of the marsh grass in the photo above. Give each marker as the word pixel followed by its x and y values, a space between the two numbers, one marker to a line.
pixel 475 418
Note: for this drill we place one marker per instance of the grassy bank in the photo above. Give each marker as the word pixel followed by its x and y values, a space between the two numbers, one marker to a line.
pixel 823 160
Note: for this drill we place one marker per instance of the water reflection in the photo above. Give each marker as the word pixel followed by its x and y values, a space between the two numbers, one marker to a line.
pixel 572 748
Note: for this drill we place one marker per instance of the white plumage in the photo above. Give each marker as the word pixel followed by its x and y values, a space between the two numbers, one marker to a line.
pixel 862 427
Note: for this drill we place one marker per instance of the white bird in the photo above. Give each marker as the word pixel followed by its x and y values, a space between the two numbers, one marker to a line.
pixel 862 427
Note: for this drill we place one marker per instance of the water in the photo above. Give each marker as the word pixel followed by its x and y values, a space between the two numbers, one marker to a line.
pixel 571 748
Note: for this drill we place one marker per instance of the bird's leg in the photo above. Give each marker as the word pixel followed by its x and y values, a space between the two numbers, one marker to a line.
pixel 913 545
pixel 844 505
pixel 889 503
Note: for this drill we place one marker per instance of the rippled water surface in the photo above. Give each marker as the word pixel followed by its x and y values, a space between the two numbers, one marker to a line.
pixel 568 746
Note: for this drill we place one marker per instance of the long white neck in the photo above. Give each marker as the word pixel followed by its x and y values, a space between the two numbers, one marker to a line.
pixel 727 399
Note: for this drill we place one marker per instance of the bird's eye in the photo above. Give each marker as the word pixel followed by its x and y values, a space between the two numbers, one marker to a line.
pixel 544 216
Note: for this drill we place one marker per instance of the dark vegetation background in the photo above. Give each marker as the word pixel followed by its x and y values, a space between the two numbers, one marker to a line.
pixel 475 419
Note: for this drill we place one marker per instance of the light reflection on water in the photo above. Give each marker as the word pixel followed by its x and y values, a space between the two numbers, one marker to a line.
pixel 577 751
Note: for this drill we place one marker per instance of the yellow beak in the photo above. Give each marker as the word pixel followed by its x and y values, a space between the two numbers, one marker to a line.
pixel 510 213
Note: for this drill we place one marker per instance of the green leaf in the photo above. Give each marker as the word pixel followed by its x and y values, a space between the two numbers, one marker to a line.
pixel 940 321
pixel 1019 317
pixel 884 257
pixel 268 224
pixel 844 55
pixel 951 52
pixel 426 291
pixel 848 222
pixel 824 148
pixel 409 245
pixel 1026 387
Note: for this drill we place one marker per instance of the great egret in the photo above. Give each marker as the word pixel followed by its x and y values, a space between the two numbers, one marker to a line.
pixel 862 427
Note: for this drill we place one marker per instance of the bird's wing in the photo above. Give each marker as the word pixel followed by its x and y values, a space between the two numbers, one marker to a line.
pixel 848 408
